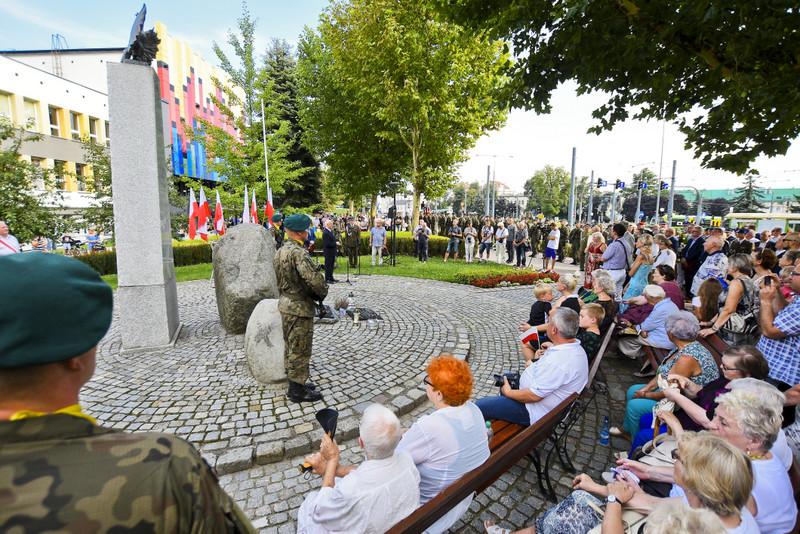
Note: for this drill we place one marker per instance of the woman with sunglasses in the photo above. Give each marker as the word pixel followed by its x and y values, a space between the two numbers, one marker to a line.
pixel 698 403
pixel 709 473
pixel 452 440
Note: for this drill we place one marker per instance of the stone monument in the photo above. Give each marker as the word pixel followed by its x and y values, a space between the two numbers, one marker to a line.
pixel 147 294
pixel 263 343
pixel 243 274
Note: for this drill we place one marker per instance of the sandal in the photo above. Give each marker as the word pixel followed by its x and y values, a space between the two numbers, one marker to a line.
pixel 491 528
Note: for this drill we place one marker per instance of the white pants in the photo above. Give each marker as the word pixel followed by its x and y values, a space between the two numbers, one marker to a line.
pixel 618 275
pixel 501 252
pixel 632 346
pixel 469 250
pixel 377 250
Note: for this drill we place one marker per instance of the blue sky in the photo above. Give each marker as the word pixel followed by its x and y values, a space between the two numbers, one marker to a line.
pixel 525 144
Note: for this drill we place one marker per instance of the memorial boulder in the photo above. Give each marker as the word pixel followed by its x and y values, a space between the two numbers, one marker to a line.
pixel 243 274
pixel 263 343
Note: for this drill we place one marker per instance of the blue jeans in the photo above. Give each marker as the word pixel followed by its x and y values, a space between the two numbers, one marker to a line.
pixel 634 409
pixel 504 409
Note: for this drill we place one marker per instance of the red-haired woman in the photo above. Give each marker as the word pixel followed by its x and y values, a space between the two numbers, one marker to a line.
pixel 452 440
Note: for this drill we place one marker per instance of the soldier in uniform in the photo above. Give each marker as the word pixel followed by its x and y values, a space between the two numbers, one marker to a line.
pixel 300 284
pixel 352 239
pixel 536 236
pixel 59 470
pixel 575 243
pixel 276 230
pixel 562 241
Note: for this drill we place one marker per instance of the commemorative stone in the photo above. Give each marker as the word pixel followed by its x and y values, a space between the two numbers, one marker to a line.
pixel 263 343
pixel 243 274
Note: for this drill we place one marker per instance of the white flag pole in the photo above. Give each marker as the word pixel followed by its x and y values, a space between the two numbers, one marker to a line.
pixel 264 133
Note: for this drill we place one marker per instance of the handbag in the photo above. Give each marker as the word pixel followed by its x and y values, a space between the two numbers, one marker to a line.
pixel 632 521
pixel 658 451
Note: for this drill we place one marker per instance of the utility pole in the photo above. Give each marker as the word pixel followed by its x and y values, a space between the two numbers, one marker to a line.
pixel 571 208
pixel 639 199
pixel 494 188
pixel 671 194
pixel 488 173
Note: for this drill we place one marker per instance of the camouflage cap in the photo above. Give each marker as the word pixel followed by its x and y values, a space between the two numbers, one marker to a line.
pixel 276 218
pixel 55 308
pixel 297 222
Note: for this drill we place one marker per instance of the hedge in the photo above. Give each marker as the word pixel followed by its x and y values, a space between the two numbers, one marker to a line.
pixel 183 253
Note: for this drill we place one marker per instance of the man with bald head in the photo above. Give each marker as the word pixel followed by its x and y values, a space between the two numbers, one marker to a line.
pixel 715 265
pixel 8 243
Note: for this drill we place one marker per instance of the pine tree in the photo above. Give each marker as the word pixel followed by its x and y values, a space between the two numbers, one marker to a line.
pixel 280 66
pixel 748 198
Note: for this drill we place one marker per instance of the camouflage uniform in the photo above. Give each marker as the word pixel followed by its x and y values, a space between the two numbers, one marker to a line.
pixel 575 244
pixel 300 283
pixel 277 234
pixel 562 242
pixel 352 240
pixel 61 473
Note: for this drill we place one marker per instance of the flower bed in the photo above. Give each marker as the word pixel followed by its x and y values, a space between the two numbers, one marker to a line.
pixel 490 280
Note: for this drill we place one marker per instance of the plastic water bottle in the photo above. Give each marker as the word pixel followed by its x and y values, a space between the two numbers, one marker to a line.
pixel 604 435
pixel 489 431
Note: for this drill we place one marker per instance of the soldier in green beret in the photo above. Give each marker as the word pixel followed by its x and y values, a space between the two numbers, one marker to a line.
pixel 300 284
pixel 59 470
pixel 276 230
pixel 352 241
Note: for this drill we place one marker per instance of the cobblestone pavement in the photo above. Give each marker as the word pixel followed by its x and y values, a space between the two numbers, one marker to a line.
pixel 202 390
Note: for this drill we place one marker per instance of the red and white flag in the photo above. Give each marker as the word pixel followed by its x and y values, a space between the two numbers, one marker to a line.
pixel 246 210
pixel 254 210
pixel 269 210
pixel 531 335
pixel 194 209
pixel 219 218
pixel 203 216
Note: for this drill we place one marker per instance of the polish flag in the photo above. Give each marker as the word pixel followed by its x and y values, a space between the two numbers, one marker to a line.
pixel 194 210
pixel 203 216
pixel 531 335
pixel 246 210
pixel 254 210
pixel 219 218
pixel 269 211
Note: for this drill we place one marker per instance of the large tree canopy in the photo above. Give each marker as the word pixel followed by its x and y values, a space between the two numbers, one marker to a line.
pixel 725 71
pixel 548 191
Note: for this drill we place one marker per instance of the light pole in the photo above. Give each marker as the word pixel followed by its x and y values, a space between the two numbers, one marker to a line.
pixel 494 181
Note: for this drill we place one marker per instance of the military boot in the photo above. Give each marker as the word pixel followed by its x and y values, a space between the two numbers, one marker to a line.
pixel 300 393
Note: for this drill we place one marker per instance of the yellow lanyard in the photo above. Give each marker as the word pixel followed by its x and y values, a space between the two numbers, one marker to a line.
pixel 74 410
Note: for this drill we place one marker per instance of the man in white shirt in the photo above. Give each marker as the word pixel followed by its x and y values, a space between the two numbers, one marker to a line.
pixel 552 246
pixel 369 498
pixel 8 243
pixel 560 372
pixel 501 236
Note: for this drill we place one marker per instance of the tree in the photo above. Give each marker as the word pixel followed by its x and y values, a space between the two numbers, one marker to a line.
pixel 735 61
pixel 239 160
pixel 27 211
pixel 306 190
pixel 101 213
pixel 717 207
pixel 748 197
pixel 428 82
pixel 680 206
pixel 548 190
pixel 360 162
pixel 631 189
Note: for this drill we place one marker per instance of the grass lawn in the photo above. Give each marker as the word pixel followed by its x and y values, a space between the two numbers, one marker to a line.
pixel 406 266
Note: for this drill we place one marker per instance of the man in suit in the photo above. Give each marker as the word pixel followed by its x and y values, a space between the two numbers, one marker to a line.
pixel 690 258
pixel 329 244
pixel 740 245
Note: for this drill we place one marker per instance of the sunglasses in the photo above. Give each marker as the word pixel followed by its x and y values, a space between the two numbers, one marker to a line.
pixel 428 382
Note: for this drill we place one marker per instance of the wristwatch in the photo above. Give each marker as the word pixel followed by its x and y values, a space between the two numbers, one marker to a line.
pixel 714 327
pixel 612 498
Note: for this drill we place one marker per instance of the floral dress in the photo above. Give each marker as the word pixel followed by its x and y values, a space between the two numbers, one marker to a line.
pixel 595 253
pixel 709 370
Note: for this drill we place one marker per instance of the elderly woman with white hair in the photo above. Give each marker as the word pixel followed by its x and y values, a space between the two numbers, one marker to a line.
pixel 602 293
pixel 689 358
pixel 651 331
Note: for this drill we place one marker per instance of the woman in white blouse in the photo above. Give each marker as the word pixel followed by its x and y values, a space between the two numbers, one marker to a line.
pixel 452 440
pixel 665 256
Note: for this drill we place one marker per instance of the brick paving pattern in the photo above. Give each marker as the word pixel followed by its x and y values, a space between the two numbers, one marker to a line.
pixel 202 390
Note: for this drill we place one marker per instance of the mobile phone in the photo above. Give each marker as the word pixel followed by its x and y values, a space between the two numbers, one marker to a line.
pixel 625 474
pixel 768 281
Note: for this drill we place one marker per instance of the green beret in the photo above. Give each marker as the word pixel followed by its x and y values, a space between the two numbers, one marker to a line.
pixel 54 308
pixel 276 218
pixel 297 222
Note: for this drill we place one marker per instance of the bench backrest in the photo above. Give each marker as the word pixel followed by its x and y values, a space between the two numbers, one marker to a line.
pixel 715 345
pixel 597 359
pixel 500 461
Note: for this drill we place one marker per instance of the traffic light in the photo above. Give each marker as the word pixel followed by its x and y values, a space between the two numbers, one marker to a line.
pixel 642 185
pixel 619 184
pixel 664 185
pixel 599 183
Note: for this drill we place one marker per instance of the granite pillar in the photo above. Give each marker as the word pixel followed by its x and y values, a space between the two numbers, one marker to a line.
pixel 147 294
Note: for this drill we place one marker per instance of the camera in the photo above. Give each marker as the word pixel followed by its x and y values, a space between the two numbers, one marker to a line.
pixel 513 380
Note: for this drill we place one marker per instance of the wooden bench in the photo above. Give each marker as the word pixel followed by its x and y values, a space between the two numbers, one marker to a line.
pixel 715 345
pixel 508 446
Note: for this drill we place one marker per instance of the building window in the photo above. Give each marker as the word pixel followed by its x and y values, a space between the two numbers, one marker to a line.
pixel 38 180
pixel 5 107
pixel 80 176
pixel 54 121
pixel 31 118
pixel 108 135
pixel 93 130
pixel 75 126
pixel 59 168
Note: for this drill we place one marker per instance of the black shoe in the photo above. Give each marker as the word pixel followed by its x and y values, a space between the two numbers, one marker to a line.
pixel 311 385
pixel 333 281
pixel 300 393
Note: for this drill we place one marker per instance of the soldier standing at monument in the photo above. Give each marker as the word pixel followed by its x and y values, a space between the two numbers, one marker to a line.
pixel 276 230
pixel 352 240
pixel 300 284
pixel 59 470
